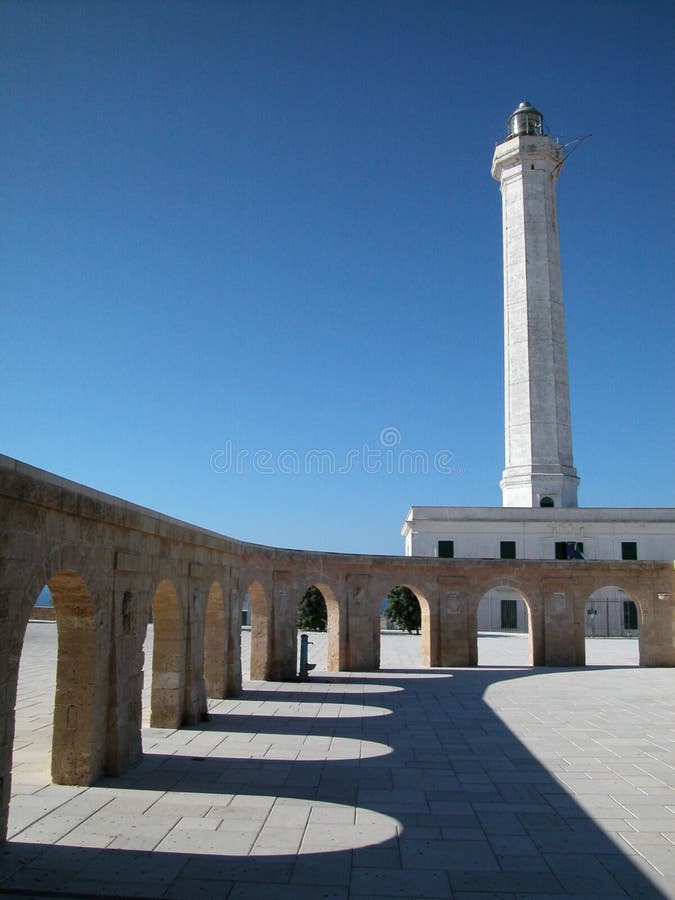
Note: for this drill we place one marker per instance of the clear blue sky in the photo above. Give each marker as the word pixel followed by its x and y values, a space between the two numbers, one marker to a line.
pixel 232 227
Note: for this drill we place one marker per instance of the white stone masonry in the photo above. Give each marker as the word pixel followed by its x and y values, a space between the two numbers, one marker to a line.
pixel 538 434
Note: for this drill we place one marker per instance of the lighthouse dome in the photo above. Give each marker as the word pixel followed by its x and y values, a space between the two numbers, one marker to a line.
pixel 525 120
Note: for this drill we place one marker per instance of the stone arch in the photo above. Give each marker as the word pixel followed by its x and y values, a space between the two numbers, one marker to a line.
pixel 612 611
pixel 81 685
pixel 330 659
pixel 504 607
pixel 425 619
pixel 80 700
pixel 168 658
pixel 260 632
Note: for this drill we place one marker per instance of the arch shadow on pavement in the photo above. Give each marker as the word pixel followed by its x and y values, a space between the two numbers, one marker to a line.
pixel 406 783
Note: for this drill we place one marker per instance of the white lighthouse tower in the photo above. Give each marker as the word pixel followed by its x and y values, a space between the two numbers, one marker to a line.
pixel 538 435
pixel 539 517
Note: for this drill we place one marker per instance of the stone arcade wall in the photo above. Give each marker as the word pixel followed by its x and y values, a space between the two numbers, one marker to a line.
pixel 108 563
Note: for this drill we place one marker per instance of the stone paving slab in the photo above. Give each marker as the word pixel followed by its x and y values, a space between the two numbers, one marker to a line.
pixel 493 782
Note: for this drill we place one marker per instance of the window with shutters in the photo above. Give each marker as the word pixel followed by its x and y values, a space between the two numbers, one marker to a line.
pixel 509 613
pixel 507 549
pixel 630 617
pixel 569 550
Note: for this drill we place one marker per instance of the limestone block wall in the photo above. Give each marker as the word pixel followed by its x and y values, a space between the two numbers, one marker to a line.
pixel 109 564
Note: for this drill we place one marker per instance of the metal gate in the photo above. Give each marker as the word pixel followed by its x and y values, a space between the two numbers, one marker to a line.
pixel 607 617
pixel 509 614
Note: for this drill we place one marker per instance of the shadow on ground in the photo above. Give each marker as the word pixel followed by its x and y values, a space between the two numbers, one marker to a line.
pixel 417 789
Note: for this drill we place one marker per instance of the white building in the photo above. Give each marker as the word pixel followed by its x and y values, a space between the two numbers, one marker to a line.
pixel 486 532
pixel 539 518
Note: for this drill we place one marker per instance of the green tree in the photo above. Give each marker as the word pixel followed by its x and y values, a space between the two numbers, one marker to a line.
pixel 404 609
pixel 312 614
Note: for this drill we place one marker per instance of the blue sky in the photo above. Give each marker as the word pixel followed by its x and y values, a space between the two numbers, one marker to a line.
pixel 252 231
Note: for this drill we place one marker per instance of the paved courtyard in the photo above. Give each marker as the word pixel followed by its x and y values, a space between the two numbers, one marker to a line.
pixel 500 782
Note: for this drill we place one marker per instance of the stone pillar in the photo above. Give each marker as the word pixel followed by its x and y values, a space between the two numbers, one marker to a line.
pixel 128 627
pixel 559 630
pixel 457 643
pixel 11 639
pixel 336 625
pixel 215 639
pixel 233 639
pixel 222 638
pixel 82 673
pixel 431 630
pixel 580 597
pixel 195 707
pixel 537 631
pixel 168 658
pixel 362 617
pixel 262 621
pixel 656 633
pixel 282 622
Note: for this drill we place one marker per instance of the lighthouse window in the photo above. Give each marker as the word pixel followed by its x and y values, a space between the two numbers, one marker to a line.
pixel 547 501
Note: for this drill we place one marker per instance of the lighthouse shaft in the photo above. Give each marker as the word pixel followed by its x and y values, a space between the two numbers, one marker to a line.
pixel 538 469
